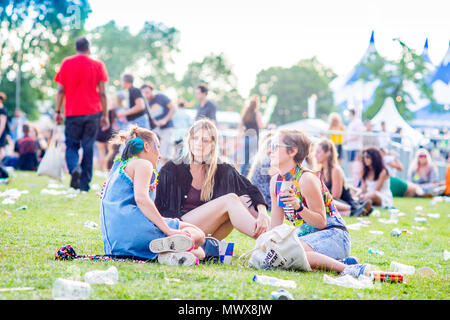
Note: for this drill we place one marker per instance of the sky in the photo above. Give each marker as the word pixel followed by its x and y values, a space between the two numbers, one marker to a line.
pixel 258 34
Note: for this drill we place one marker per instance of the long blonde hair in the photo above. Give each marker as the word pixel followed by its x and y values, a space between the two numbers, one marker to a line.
pixel 211 162
pixel 415 163
pixel 262 153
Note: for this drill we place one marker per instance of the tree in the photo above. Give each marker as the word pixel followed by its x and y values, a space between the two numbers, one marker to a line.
pixel 293 86
pixel 393 75
pixel 216 72
pixel 30 29
pixel 145 54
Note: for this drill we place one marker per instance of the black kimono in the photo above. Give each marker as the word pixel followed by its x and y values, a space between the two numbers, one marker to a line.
pixel 175 180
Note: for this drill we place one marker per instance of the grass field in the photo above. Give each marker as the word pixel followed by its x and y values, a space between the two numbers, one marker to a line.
pixel 29 238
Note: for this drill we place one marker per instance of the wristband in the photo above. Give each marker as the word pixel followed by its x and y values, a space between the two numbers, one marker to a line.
pixel 301 208
pixel 58 111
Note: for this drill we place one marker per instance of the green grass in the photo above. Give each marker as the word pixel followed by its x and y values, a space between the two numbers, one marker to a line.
pixel 29 239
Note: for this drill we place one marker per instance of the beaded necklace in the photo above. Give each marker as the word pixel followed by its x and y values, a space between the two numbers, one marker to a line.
pixel 151 187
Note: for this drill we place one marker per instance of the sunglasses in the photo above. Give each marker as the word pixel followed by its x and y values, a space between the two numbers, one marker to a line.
pixel 275 146
pixel 422 156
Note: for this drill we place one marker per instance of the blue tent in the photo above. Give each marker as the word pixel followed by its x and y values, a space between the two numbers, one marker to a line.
pixel 440 82
pixel 351 92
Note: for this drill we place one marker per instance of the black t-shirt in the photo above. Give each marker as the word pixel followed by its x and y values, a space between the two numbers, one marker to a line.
pixel 134 93
pixel 6 130
pixel 207 111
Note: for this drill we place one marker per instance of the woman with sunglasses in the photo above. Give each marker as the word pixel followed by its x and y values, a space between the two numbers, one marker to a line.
pixel 309 206
pixel 423 172
pixel 131 224
pixel 375 181
pixel 201 189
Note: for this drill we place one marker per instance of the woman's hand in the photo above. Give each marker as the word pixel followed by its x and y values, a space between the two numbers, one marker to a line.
pixel 262 224
pixel 291 198
pixel 172 232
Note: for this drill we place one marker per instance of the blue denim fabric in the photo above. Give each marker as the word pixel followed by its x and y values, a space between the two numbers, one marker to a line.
pixel 125 229
pixel 142 122
pixel 81 131
pixel 332 242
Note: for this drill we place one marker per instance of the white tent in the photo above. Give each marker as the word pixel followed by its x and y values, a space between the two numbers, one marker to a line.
pixel 307 125
pixel 351 92
pixel 389 114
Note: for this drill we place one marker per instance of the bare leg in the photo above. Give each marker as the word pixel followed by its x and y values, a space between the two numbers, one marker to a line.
pixel 198 236
pixel 213 214
pixel 374 196
pixel 320 261
pixel 102 155
pixel 343 208
pixel 223 231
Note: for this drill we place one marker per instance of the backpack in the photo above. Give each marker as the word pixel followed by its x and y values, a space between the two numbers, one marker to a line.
pixel 278 248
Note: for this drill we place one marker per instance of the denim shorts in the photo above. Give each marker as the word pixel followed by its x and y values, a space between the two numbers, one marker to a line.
pixel 333 242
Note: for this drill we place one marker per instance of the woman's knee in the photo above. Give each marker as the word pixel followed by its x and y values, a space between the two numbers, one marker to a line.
pixel 196 233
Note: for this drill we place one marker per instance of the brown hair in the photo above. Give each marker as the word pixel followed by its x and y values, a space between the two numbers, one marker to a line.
pixel 327 145
pixel 133 132
pixel 249 112
pixel 298 139
pixel 2 96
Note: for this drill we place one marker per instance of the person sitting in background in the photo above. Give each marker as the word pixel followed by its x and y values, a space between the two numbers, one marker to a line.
pixel 399 188
pixel 261 171
pixel 4 126
pixel 182 122
pixel 375 183
pixel 334 178
pixel 335 124
pixel 27 148
pixel 17 123
pixel 423 172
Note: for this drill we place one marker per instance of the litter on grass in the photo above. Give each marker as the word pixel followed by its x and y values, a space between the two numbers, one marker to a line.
pixel 91 225
pixel 376 232
pixel 434 215
pixel 349 281
pixel 16 289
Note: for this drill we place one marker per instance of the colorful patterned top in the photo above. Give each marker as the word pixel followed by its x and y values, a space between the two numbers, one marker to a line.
pixel 294 217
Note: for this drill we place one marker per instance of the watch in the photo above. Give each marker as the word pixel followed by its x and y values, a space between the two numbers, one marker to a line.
pixel 300 209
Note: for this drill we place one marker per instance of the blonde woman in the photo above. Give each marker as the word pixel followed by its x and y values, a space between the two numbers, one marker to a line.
pixel 423 172
pixel 335 124
pixel 201 189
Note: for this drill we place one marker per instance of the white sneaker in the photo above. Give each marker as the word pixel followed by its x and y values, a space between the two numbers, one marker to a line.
pixel 175 243
pixel 185 259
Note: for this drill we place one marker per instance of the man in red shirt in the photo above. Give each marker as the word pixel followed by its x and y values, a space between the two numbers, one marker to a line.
pixel 81 82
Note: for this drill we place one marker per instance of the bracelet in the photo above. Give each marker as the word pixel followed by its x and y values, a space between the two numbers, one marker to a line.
pixel 301 208
pixel 58 111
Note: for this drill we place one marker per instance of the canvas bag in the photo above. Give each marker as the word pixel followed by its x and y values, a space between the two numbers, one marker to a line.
pixel 278 248
pixel 52 164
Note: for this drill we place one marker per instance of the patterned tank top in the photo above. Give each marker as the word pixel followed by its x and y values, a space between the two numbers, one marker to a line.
pixel 294 217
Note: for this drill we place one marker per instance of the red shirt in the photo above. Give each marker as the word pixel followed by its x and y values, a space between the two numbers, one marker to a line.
pixel 80 76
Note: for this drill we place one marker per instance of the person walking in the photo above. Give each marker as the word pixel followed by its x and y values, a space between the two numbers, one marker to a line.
pixel 136 112
pixel 205 108
pixel 81 86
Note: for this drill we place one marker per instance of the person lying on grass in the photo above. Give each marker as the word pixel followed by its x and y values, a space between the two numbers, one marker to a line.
pixel 201 189
pixel 309 206
pixel 130 222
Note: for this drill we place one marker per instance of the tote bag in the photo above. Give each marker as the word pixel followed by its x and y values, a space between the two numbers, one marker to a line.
pixel 52 164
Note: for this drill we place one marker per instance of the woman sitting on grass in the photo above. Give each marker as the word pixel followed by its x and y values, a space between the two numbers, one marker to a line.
pixel 424 173
pixel 334 178
pixel 201 189
pixel 130 222
pixel 309 206
pixel 375 181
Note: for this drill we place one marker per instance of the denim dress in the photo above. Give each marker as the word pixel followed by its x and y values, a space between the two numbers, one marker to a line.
pixel 125 229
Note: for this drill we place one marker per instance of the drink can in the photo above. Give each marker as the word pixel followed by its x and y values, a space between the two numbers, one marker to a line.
pixel 396 232
pixel 384 276
pixel 283 186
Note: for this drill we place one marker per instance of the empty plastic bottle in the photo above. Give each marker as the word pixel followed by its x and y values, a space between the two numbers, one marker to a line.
pixel 377 252
pixel 282 295
pixel 274 281
pixel 402 268
pixel 109 276
pixel 64 289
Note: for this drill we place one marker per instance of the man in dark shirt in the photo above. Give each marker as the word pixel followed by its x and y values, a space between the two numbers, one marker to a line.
pixel 136 114
pixel 162 111
pixel 205 109
pixel 27 148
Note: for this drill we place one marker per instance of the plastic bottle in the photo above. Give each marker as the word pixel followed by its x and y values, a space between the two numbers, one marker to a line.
pixel 274 281
pixel 281 295
pixel 402 268
pixel 396 232
pixel 64 289
pixel 109 276
pixel 377 252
